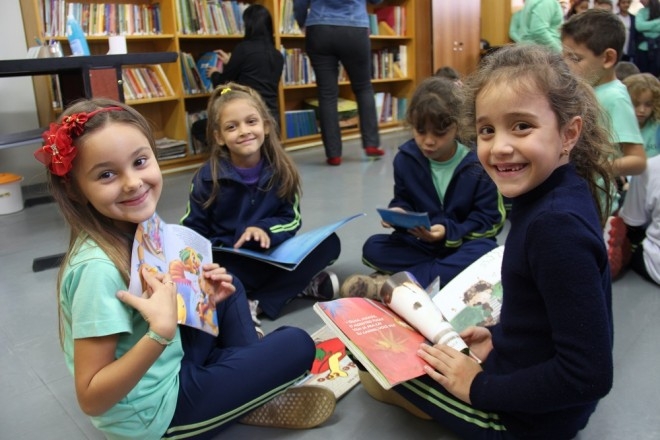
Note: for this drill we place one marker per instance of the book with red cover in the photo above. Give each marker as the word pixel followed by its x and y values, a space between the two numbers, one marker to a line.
pixel 382 341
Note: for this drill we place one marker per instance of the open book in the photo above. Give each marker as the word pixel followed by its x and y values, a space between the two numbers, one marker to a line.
pixel 474 296
pixel 180 251
pixel 332 368
pixel 385 337
pixel 290 253
pixel 405 220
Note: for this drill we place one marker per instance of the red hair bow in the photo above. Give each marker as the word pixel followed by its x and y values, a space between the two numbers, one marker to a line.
pixel 58 151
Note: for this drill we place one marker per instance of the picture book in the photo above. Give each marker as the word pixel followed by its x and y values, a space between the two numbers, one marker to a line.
pixel 384 343
pixel 206 60
pixel 180 251
pixel 332 368
pixel 474 296
pixel 385 336
pixel 290 253
pixel 405 220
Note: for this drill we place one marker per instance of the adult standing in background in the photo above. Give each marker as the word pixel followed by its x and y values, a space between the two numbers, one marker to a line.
pixel 541 20
pixel 647 24
pixel 515 27
pixel 628 20
pixel 255 62
pixel 337 31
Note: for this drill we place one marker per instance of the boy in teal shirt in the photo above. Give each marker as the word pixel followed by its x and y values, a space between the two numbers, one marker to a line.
pixel 592 44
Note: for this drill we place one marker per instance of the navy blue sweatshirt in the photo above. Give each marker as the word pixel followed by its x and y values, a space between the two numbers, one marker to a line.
pixel 472 207
pixel 552 355
pixel 238 206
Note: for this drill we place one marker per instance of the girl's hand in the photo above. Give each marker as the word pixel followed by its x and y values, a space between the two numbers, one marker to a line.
pixel 450 368
pixel 252 233
pixel 436 233
pixel 216 282
pixel 479 340
pixel 158 303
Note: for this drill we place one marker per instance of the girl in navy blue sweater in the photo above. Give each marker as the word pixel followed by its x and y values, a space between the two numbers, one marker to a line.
pixel 434 173
pixel 247 195
pixel 548 362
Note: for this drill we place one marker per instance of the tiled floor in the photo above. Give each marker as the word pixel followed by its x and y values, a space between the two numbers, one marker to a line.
pixel 36 391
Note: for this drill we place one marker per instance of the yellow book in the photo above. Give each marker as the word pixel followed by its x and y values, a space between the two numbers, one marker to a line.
pixel 385 29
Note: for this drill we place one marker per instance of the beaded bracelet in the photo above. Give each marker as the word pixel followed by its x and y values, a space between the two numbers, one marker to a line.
pixel 158 338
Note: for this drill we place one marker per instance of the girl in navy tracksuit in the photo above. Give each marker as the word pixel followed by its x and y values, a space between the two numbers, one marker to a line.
pixel 247 195
pixel 548 361
pixel 435 173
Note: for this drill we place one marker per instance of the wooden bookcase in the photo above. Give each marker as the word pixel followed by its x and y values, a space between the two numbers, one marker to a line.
pixel 168 115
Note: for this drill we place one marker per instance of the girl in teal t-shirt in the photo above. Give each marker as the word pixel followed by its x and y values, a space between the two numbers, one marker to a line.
pixel 644 90
pixel 136 373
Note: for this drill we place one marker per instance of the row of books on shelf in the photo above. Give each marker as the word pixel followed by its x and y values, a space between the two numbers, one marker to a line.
pixel 194 17
pixel 390 108
pixel 210 17
pixel 388 21
pixel 387 63
pixel 300 123
pixel 195 80
pixel 288 24
pixel 390 63
pixel 145 82
pixel 297 67
pixel 102 18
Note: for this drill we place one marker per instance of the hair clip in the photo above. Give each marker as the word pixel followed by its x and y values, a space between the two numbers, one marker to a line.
pixel 225 90
pixel 58 151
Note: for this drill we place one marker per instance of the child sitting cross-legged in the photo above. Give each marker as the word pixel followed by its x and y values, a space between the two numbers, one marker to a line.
pixel 437 174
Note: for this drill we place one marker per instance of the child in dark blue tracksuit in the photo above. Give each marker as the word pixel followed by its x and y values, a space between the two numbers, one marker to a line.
pixel 436 174
pixel 247 195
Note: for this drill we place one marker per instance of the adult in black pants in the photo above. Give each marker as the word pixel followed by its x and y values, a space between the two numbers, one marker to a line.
pixel 337 31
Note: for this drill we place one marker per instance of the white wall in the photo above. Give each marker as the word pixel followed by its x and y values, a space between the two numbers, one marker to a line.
pixel 18 110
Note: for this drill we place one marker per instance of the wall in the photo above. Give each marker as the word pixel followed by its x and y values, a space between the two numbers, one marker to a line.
pixel 18 111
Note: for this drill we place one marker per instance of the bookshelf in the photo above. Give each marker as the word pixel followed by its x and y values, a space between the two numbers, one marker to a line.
pixel 293 96
pixel 169 114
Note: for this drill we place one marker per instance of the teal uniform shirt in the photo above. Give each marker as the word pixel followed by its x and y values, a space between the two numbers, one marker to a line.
pixel 90 308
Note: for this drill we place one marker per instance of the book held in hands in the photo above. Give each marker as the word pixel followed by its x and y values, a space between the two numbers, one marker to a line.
pixel 179 250
pixel 385 336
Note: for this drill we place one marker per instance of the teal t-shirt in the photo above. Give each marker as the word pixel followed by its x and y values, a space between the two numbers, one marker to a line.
pixel 615 100
pixel 90 308
pixel 650 135
pixel 442 172
pixel 541 23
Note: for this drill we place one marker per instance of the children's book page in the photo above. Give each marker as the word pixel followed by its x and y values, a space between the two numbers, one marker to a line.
pixel 474 297
pixel 176 249
pixel 382 341
pixel 332 367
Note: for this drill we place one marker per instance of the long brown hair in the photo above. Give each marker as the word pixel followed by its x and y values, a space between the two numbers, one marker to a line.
pixel 85 221
pixel 285 173
pixel 534 68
